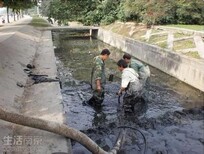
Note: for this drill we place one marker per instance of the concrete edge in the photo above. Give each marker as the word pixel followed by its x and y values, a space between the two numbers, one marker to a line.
pixel 43 100
pixel 188 70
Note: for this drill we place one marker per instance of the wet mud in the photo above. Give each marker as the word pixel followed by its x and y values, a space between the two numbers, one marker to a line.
pixel 170 117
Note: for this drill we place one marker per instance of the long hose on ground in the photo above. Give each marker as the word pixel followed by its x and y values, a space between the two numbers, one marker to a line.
pixel 123 126
pixel 145 141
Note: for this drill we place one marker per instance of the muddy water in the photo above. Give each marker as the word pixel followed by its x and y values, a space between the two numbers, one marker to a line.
pixel 171 118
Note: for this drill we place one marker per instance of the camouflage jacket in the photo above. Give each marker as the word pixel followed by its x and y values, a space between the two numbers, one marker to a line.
pixel 98 72
pixel 142 70
pixel 136 65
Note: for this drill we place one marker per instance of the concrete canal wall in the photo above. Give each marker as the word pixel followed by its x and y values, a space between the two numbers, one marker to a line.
pixel 188 70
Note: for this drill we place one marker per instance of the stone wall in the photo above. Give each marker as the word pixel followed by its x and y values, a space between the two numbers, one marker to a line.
pixel 188 70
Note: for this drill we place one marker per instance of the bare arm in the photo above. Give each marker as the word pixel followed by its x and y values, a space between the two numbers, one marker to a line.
pixel 98 85
pixel 121 90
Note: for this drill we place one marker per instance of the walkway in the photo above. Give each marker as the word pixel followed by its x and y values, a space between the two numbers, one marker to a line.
pixel 20 45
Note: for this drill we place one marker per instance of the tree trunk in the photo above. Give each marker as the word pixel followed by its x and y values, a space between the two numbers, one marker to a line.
pixel 60 129
pixel 7 10
pixel 14 15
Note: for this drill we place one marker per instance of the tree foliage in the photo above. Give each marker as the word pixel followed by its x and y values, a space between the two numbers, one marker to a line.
pixel 58 11
pixel 134 9
pixel 102 12
pixel 150 12
pixel 190 12
pixel 165 11
pixel 19 4
pixel 65 10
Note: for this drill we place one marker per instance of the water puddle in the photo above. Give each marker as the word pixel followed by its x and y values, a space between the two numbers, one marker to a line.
pixel 171 119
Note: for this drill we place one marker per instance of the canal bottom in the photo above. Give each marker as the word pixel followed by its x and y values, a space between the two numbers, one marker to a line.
pixel 171 119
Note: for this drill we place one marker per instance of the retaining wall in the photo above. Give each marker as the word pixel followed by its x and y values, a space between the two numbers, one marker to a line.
pixel 188 70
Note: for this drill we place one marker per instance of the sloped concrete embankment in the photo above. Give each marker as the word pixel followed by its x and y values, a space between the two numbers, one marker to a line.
pixel 188 70
pixel 17 49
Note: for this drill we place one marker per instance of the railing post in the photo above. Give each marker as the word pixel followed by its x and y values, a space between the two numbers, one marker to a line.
pixel 90 32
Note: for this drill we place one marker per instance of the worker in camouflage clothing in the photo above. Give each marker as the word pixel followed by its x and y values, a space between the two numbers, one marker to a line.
pixel 142 70
pixel 98 78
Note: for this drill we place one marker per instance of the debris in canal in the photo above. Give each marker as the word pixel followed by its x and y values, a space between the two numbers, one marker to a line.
pixel 39 78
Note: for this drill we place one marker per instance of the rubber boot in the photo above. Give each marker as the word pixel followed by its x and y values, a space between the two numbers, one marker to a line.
pixel 91 101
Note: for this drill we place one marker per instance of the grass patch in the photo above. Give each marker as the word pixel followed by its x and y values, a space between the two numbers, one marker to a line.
pixel 157 38
pixel 180 35
pixel 156 30
pixel 115 27
pixel 193 54
pixel 123 30
pixel 138 34
pixel 142 39
pixel 162 44
pixel 39 22
pixel 184 44
pixel 191 27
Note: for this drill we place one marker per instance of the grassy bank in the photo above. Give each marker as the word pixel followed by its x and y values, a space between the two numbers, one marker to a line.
pixel 39 22
pixel 191 27
pixel 182 42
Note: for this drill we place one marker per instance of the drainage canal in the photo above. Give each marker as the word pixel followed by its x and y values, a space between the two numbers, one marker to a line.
pixel 171 119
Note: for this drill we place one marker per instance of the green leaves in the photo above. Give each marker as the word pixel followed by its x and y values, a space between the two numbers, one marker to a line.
pixel 19 4
pixel 150 12
pixel 165 11
pixel 190 12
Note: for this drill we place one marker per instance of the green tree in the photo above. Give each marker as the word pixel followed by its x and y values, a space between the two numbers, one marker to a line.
pixel 133 9
pixel 18 5
pixel 154 10
pixel 45 7
pixel 190 12
pixel 103 12
pixel 170 16
pixel 69 11
pixel 58 11
pixel 150 12
pixel 147 11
